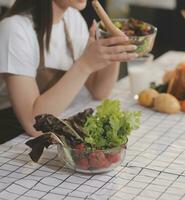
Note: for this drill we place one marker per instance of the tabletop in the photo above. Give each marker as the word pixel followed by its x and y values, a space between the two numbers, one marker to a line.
pixel 154 167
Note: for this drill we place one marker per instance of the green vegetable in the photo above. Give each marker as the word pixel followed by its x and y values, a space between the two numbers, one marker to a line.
pixel 143 46
pixel 110 127
pixel 118 24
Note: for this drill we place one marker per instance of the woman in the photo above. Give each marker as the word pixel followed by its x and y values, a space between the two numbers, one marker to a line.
pixel 39 41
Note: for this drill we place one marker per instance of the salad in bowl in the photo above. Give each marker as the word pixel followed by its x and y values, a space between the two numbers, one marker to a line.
pixel 90 141
pixel 139 33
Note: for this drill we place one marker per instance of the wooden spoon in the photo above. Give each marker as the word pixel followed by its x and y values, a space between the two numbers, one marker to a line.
pixel 106 20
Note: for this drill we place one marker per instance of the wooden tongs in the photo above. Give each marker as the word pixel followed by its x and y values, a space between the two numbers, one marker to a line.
pixel 111 28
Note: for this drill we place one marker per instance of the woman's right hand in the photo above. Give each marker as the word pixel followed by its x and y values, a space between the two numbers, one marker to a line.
pixel 103 52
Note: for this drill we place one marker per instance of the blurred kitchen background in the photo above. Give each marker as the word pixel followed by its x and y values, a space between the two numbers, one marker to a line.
pixel 164 14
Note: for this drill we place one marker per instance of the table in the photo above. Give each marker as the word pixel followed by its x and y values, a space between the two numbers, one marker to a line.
pixel 154 167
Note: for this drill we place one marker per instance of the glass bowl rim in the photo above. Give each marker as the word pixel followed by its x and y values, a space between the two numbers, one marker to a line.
pixel 126 19
pixel 122 146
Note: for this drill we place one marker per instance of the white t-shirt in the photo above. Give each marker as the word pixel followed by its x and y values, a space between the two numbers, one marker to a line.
pixel 19 48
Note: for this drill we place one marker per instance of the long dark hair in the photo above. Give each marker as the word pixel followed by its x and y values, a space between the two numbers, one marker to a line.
pixel 42 14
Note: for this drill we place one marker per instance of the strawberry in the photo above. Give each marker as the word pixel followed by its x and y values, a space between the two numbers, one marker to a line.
pixel 113 158
pixel 82 163
pixel 78 149
pixel 98 160
pixel 92 155
pixel 100 155
pixel 94 163
pixel 104 163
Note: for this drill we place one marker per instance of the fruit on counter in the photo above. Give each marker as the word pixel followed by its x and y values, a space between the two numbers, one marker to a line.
pixel 147 97
pixel 166 103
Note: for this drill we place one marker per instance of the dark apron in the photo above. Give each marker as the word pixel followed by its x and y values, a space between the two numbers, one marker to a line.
pixel 46 78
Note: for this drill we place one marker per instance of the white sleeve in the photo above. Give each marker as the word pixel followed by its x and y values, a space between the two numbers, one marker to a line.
pixel 16 52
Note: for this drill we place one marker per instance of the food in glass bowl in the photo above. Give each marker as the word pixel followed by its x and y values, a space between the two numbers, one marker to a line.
pixel 140 33
pixel 90 141
pixel 92 161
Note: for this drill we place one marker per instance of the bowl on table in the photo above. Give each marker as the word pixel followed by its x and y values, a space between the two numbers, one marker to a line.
pixel 140 33
pixel 93 162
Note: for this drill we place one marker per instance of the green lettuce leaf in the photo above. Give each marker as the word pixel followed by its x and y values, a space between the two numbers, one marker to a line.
pixel 109 127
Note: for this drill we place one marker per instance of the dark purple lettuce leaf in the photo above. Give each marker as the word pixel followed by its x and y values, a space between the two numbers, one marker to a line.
pixel 49 125
pixel 38 144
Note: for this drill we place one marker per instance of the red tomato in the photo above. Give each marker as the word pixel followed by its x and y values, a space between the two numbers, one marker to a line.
pixel 94 163
pixel 100 155
pixel 98 160
pixel 105 163
pixel 82 163
pixel 113 158
pixel 92 155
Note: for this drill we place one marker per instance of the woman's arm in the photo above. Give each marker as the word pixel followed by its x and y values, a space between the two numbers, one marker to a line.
pixel 101 83
pixel 27 102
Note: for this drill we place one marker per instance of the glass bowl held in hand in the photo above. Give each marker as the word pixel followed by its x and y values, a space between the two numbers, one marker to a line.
pixel 93 162
pixel 144 40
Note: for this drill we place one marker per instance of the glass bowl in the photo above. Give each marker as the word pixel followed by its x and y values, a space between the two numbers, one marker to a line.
pixel 93 162
pixel 144 43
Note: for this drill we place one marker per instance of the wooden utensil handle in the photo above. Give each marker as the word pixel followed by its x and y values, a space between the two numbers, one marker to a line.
pixel 106 20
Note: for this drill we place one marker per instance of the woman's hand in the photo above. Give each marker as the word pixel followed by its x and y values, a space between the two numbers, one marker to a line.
pixel 101 53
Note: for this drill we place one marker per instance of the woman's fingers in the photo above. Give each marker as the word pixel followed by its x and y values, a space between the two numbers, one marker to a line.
pixel 122 57
pixel 120 49
pixel 114 41
pixel 92 32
